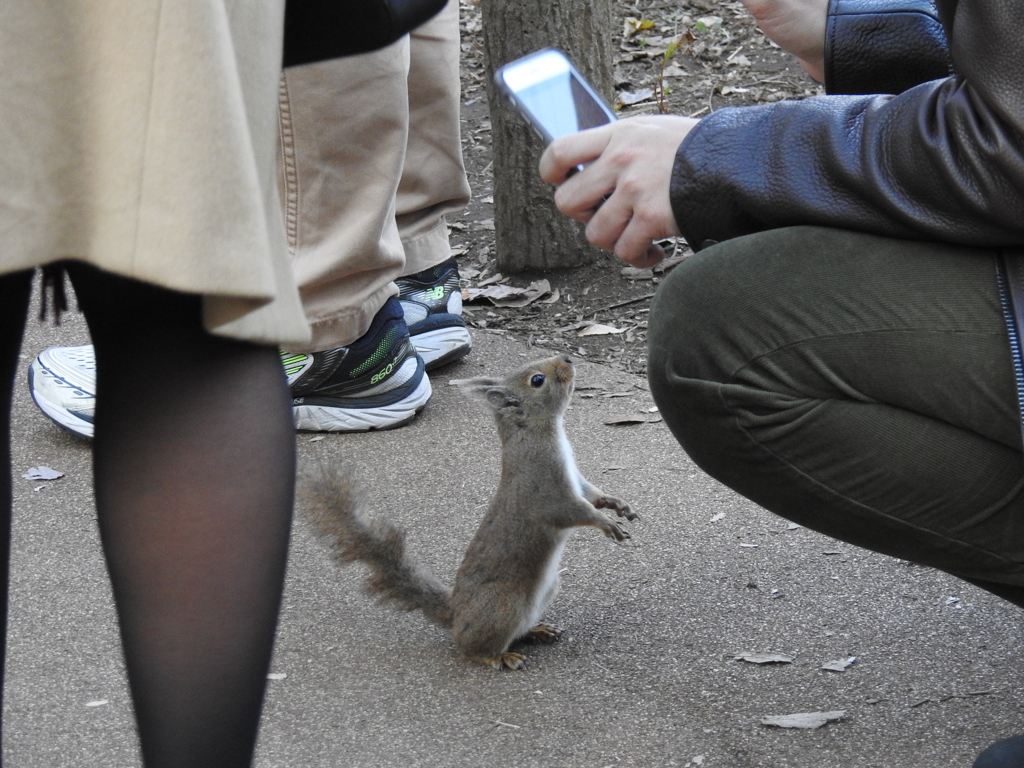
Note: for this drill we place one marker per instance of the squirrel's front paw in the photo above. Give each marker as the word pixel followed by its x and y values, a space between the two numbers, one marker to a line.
pixel 622 509
pixel 613 530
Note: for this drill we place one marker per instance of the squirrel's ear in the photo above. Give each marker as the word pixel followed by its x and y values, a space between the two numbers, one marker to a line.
pixel 476 387
pixel 502 399
pixel 492 391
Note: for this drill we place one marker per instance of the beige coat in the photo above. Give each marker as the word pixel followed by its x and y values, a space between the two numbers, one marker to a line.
pixel 139 136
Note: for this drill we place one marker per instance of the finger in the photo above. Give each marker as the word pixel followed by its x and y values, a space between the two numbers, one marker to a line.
pixel 616 227
pixel 572 151
pixel 626 231
pixel 635 244
pixel 609 221
pixel 583 194
pixel 653 255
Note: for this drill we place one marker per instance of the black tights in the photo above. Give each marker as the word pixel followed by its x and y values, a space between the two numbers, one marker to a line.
pixel 194 461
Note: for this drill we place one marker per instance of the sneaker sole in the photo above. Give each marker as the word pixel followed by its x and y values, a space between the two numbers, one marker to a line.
pixel 315 418
pixel 62 417
pixel 442 346
pixel 322 418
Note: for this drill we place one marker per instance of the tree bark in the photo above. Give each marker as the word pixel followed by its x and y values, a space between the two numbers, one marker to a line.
pixel 529 231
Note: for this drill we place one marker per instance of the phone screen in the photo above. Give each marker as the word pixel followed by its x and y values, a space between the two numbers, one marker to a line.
pixel 554 95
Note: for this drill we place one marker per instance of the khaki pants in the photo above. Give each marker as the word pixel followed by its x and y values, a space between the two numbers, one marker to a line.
pixel 371 160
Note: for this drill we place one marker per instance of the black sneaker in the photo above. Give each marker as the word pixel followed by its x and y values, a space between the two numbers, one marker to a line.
pixel 377 382
pixel 432 303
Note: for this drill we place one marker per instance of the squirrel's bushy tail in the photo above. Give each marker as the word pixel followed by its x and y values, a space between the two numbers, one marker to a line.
pixel 334 506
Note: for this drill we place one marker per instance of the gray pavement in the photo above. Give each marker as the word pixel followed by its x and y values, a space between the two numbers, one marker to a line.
pixel 645 674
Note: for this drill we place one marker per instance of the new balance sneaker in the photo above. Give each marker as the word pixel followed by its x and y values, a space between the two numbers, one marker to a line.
pixel 377 382
pixel 432 305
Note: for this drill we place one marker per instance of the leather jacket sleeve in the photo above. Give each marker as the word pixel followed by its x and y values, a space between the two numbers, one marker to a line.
pixel 942 160
pixel 882 46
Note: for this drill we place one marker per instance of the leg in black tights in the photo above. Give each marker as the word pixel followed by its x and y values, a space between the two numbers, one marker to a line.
pixel 14 294
pixel 194 470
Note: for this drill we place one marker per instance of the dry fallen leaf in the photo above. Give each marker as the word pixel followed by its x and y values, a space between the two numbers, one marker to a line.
pixel 508 295
pixel 803 719
pixel 42 473
pixel 528 295
pixel 489 292
pixel 765 658
pixel 618 421
pixel 597 329
pixel 635 273
pixel 839 665
pixel 633 25
pixel 497 277
pixel 709 21
pixel 628 99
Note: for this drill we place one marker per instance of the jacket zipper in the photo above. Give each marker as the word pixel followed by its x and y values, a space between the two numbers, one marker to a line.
pixel 1006 302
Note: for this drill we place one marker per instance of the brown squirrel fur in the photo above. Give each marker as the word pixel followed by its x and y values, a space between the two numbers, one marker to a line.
pixel 509 573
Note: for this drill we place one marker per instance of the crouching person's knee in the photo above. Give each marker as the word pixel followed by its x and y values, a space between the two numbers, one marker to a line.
pixel 715 315
pixel 687 357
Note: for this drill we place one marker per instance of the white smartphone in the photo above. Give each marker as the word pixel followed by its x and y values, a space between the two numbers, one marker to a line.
pixel 552 95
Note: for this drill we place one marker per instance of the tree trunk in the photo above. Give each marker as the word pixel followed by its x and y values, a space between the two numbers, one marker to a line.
pixel 529 231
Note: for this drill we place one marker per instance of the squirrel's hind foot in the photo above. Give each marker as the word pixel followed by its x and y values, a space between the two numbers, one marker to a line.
pixel 545 633
pixel 507 660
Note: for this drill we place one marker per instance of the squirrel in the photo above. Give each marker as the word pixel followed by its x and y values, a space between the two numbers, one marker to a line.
pixel 510 571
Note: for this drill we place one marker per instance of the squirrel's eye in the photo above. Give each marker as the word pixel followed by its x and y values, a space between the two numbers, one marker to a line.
pixel 537 380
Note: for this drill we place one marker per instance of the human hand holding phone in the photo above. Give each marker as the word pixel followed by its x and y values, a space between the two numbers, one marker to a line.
pixel 622 194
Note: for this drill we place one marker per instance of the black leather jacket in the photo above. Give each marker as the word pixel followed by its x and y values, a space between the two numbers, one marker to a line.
pixel 940 158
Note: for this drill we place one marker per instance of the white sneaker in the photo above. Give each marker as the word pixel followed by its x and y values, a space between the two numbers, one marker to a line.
pixel 62 381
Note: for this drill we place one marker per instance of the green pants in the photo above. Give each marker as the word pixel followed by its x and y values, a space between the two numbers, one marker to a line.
pixel 857 385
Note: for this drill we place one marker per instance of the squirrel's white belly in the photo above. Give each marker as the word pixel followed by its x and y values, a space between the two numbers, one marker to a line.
pixel 569 462
pixel 547 586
